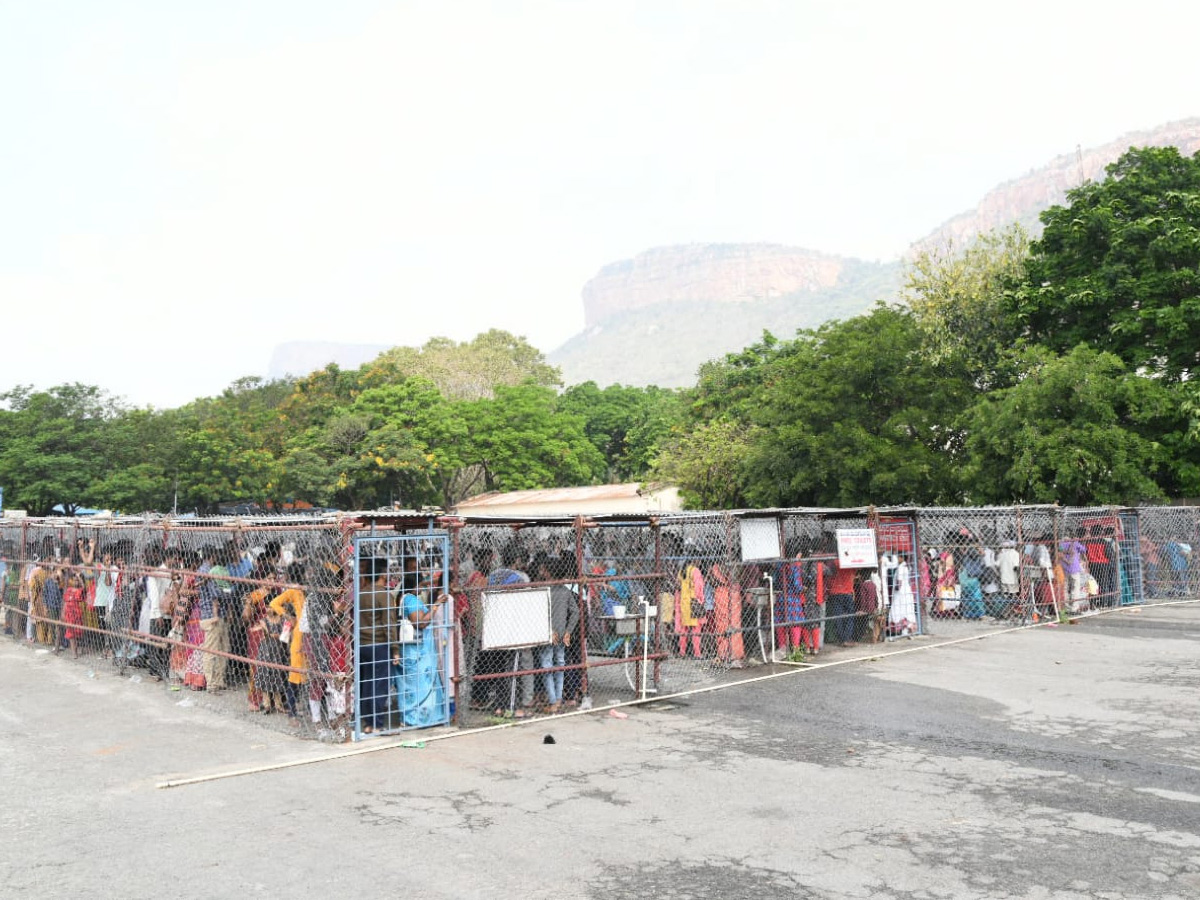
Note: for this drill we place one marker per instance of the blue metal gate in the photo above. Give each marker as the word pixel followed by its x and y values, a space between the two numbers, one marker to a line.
pixel 403 632
pixel 1132 582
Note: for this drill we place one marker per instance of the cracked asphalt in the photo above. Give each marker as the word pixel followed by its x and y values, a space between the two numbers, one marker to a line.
pixel 1051 764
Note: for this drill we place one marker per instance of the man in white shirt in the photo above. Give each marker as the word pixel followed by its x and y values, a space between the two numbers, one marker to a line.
pixel 106 593
pixel 153 619
pixel 1008 562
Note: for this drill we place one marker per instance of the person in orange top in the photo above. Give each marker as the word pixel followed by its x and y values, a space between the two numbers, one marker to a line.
pixel 727 610
pixel 290 605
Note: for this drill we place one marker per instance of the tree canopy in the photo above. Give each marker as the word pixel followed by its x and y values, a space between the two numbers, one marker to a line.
pixel 1058 370
pixel 50 445
pixel 1118 268
pixel 469 370
pixel 1075 429
pixel 959 297
pixel 415 427
pixel 854 412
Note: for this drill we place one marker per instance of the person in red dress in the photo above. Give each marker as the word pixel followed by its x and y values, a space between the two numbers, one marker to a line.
pixel 73 613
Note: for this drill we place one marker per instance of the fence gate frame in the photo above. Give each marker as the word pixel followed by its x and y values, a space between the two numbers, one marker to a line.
pixel 429 651
pixel 898 533
pixel 1129 559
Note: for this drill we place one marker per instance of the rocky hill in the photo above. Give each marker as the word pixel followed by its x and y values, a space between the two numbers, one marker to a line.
pixel 1022 199
pixel 665 341
pixel 706 273
pixel 656 318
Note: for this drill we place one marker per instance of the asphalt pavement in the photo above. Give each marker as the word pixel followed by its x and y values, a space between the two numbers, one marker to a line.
pixel 1056 763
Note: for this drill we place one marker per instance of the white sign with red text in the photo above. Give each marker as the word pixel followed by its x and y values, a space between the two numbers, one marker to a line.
pixel 856 548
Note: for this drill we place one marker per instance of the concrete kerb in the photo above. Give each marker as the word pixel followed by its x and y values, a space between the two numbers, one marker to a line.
pixel 790 669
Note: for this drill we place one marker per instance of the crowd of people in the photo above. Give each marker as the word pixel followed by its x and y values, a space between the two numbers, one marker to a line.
pixel 212 619
pixel 1087 566
pixel 278 627
pixel 705 608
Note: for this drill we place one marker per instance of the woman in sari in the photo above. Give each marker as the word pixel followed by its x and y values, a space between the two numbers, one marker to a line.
pixel 419 687
pixel 947 586
pixel 189 659
pixel 73 604
pixel 254 609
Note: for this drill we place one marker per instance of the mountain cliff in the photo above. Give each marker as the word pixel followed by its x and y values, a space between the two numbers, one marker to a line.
pixel 706 273
pixel 665 341
pixel 656 318
pixel 1023 199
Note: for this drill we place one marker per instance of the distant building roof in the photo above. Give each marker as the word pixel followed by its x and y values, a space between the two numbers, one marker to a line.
pixel 600 499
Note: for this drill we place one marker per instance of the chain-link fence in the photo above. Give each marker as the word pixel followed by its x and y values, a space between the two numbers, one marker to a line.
pixel 370 624
pixel 981 567
pixel 1167 538
pixel 248 619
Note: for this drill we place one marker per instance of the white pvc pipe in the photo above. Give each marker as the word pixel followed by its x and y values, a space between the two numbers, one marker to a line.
pixel 645 642
pixel 771 603
pixel 787 672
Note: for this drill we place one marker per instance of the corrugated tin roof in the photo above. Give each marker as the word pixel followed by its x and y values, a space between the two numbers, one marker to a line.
pixel 557 495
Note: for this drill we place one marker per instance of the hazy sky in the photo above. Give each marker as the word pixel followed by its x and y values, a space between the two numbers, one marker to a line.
pixel 186 185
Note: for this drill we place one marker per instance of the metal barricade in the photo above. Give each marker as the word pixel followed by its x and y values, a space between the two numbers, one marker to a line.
pixel 312 617
pixel 970 568
pixel 404 632
pixel 1167 540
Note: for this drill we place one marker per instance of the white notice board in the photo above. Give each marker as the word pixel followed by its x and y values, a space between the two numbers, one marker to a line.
pixel 856 548
pixel 515 618
pixel 760 539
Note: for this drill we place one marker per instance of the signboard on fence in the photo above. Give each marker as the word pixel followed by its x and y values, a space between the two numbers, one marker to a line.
pixel 760 539
pixel 856 548
pixel 513 619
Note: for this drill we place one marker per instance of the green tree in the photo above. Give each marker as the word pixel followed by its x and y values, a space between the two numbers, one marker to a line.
pixel 706 462
pixel 52 446
pixel 522 441
pixel 227 451
pixel 731 387
pixel 705 451
pixel 1118 268
pixel 306 475
pixel 626 424
pixel 400 442
pixel 857 412
pixel 1077 429
pixel 958 297
pixel 316 397
pixel 468 370
pixel 416 441
pixel 141 450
